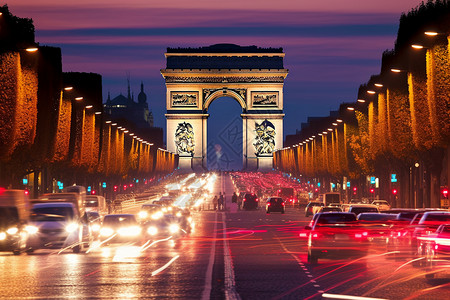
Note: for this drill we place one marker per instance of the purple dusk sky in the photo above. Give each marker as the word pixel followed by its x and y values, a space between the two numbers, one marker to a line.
pixel 331 46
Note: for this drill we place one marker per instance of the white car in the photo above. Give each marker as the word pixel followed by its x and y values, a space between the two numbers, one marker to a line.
pixel 382 204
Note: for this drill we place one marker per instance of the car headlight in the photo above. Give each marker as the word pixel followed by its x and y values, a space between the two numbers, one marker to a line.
pixel 95 227
pixel 2 236
pixel 178 214
pixel 174 228
pixel 143 214
pixel 106 231
pixel 157 215
pixel 12 230
pixel 71 227
pixel 129 231
pixel 31 229
pixel 152 230
pixel 189 219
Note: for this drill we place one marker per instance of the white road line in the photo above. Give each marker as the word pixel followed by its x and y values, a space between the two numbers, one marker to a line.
pixel 347 297
pixel 230 284
pixel 208 277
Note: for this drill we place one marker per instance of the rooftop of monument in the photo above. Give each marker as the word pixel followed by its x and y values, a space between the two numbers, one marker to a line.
pixel 225 48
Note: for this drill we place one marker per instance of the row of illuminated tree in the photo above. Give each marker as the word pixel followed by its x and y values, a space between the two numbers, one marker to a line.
pixel 399 127
pixel 52 124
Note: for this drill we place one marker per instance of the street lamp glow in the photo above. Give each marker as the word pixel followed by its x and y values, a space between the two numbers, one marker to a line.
pixel 415 46
pixel 431 33
pixel 114 124
pixel 371 92
pixel 350 108
pixel 89 106
pixel 126 131
pixel 330 129
pixel 107 122
pixel 335 124
pixel 320 134
pixel 361 100
pixel 68 88
pixel 339 121
pixel 378 84
pixel 396 70
pixel 79 98
pixel 31 49
pixel 324 132
pixel 98 112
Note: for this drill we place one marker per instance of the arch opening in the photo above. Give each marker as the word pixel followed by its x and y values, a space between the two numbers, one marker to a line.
pixel 225 134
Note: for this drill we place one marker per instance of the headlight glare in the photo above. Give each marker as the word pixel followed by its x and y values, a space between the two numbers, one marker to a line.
pixel 31 229
pixel 106 231
pixel 143 214
pixel 2 236
pixel 71 227
pixel 152 230
pixel 174 228
pixel 12 230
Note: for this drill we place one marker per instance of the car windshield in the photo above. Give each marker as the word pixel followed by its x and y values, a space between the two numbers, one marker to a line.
pixel 52 214
pixel 358 210
pixel 91 203
pixel 122 220
pixel 376 217
pixel 332 218
pixel 436 218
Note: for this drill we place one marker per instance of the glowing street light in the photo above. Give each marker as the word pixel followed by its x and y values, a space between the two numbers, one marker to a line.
pixel 89 106
pixel 416 46
pixel 79 98
pixel 350 108
pixel 396 70
pixel 68 88
pixel 378 84
pixel 339 121
pixel 361 100
pixel 371 92
pixel 31 49
pixel 431 33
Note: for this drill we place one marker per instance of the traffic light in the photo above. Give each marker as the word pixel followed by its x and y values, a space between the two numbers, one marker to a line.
pixel 115 188
pixel 372 190
pixel 444 193
pixel 394 192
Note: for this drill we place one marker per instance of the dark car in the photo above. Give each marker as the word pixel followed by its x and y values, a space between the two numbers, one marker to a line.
pixel 250 201
pixel 335 234
pixel 275 204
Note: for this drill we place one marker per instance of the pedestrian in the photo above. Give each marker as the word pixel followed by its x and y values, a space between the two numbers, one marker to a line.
pixel 220 201
pixel 234 198
pixel 215 202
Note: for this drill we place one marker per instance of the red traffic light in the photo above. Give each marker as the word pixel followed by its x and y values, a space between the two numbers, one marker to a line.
pixel 372 191
pixel 394 191
pixel 445 193
pixel 354 189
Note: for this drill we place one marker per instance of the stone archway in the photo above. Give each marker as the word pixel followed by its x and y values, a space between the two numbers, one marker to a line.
pixel 253 76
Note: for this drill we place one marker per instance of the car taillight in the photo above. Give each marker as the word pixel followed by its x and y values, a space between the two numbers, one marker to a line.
pixel 361 235
pixel 257 199
pixel 303 235
pixel 268 204
pixel 282 203
pixel 315 235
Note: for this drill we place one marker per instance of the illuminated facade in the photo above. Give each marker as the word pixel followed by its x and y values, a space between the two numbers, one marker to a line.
pixel 252 76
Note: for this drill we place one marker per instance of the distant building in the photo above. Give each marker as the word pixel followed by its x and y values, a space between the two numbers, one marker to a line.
pixel 133 115
pixel 122 107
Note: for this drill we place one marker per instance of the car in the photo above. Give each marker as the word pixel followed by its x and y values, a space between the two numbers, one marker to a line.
pixel 120 228
pixel 429 222
pixel 95 222
pixel 436 249
pixel 360 208
pixel 275 204
pixel 250 201
pixel 335 234
pixel 382 205
pixel 378 225
pixel 312 207
pixel 150 211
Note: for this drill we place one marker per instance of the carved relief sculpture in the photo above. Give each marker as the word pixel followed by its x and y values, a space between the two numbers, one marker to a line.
pixel 184 139
pixel 265 138
pixel 264 98
pixel 184 99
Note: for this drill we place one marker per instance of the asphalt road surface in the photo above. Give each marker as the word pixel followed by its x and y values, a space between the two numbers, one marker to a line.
pixel 229 255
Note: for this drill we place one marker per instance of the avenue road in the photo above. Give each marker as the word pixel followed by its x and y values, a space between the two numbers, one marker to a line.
pixel 229 255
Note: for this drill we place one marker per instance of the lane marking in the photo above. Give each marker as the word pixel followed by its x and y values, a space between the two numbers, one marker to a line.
pixel 230 284
pixel 208 277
